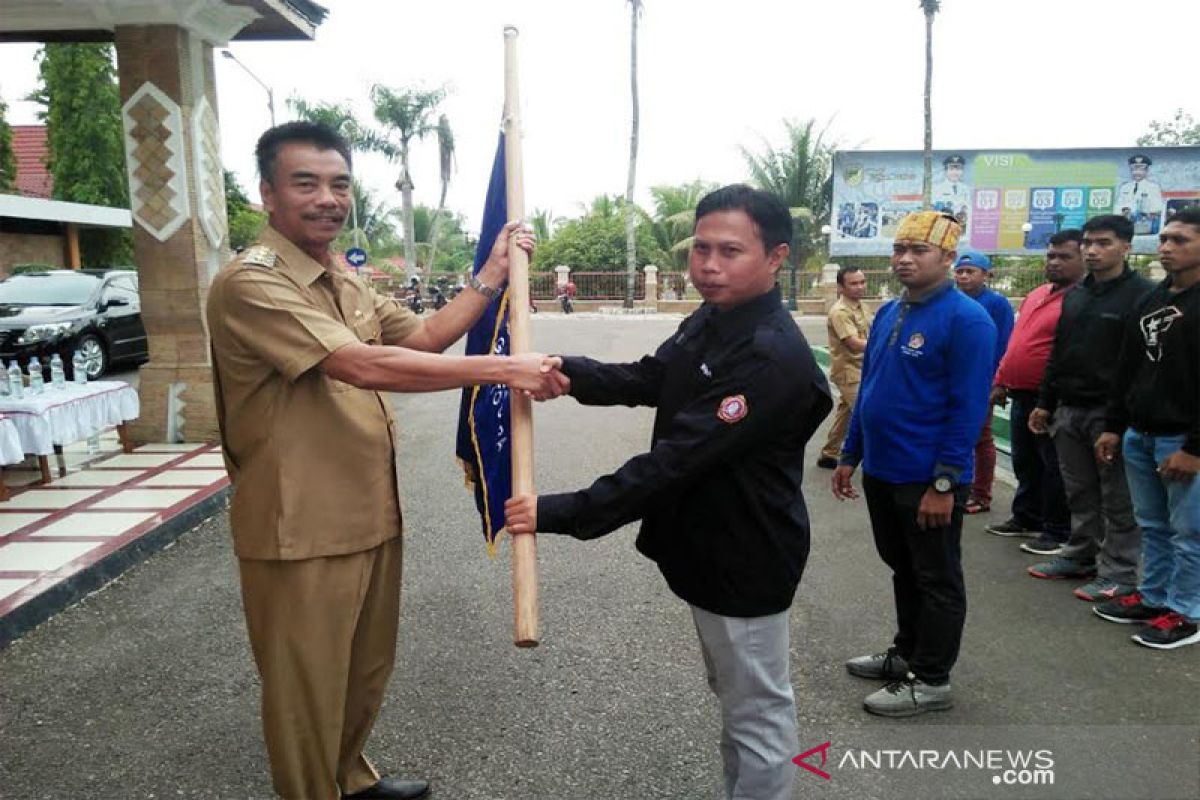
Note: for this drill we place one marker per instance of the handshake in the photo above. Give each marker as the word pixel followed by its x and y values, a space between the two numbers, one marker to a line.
pixel 537 376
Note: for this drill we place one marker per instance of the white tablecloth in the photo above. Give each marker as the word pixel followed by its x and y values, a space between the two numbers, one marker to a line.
pixel 10 443
pixel 70 414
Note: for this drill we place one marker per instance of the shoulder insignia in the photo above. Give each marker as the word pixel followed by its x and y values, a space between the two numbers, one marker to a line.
pixel 732 408
pixel 259 256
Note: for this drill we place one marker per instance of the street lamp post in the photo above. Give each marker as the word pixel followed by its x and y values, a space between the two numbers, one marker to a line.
pixel 270 92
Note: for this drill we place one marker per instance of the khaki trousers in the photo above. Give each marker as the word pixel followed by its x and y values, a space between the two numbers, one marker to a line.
pixel 847 394
pixel 323 632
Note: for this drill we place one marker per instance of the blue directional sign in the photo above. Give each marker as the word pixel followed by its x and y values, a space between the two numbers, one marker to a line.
pixel 356 257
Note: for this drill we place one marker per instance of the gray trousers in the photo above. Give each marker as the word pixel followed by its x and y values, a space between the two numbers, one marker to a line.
pixel 749 671
pixel 1103 530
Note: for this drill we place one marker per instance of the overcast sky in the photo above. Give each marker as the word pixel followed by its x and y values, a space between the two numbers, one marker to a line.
pixel 713 76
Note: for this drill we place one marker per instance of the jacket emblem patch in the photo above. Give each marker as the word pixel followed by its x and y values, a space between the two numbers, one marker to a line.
pixel 732 408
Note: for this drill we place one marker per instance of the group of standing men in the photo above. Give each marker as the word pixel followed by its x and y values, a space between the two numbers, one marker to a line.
pixel 302 350
pixel 1103 372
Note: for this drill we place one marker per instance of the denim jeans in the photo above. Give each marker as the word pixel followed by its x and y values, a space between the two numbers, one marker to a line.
pixel 1168 513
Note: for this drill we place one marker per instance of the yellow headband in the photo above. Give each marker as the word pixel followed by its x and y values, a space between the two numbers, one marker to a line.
pixel 933 227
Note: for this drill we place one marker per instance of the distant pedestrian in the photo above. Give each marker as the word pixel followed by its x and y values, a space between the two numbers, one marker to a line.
pixel 1155 402
pixel 1039 506
pixel 1105 542
pixel 971 272
pixel 847 327
pixel 924 394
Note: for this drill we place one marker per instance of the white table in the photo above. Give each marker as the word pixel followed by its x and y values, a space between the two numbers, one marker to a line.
pixel 45 422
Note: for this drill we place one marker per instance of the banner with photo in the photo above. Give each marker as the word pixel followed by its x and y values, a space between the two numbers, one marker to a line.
pixel 1010 201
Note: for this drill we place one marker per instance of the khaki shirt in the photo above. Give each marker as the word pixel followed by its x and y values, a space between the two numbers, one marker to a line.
pixel 846 318
pixel 311 459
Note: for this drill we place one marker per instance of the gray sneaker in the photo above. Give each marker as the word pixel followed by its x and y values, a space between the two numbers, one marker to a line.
pixel 886 666
pixel 909 697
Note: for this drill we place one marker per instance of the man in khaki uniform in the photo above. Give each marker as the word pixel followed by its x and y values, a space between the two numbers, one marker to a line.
pixel 301 349
pixel 847 325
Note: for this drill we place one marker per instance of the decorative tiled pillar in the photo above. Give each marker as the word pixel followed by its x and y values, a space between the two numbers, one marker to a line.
pixel 180 237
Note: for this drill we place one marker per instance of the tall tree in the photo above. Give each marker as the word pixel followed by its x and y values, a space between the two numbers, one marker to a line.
pixel 82 112
pixel 445 138
pixel 675 216
pixel 797 172
pixel 929 8
pixel 406 115
pixel 635 11
pixel 1181 129
pixel 8 161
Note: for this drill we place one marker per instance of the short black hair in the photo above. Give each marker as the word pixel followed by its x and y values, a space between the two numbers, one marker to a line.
pixel 1189 215
pixel 768 212
pixel 1067 235
pixel 844 271
pixel 1113 223
pixel 320 136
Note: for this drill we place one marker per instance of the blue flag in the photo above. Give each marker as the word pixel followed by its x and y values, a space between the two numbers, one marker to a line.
pixel 484 446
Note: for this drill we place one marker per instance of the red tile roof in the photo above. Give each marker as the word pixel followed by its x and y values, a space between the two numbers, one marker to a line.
pixel 29 147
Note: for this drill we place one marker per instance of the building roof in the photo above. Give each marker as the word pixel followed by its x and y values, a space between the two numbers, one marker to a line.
pixel 215 21
pixel 36 208
pixel 30 150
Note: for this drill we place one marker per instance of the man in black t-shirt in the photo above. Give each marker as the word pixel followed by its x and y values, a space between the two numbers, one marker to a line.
pixel 1155 402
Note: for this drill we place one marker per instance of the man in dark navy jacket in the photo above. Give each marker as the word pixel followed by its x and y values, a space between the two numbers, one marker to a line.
pixel 926 379
pixel 738 395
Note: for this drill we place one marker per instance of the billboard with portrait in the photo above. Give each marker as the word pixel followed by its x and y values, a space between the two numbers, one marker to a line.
pixel 1010 201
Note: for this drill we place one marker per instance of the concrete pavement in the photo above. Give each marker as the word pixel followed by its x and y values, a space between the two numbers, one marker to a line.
pixel 147 688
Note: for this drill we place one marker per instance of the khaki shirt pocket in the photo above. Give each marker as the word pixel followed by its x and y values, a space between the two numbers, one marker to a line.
pixel 369 330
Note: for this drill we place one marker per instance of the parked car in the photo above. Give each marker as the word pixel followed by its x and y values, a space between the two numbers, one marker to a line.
pixel 97 312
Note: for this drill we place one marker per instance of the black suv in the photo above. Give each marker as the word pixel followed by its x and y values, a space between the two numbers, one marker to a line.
pixel 97 312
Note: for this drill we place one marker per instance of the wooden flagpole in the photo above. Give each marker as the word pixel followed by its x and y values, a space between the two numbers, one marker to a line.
pixel 524 546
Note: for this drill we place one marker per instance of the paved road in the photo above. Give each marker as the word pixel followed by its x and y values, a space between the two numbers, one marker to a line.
pixel 146 689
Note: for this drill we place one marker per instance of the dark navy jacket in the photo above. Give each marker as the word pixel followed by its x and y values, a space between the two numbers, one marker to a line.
pixel 738 395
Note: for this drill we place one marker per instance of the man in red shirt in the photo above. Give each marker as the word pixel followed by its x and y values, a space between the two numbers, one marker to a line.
pixel 1039 507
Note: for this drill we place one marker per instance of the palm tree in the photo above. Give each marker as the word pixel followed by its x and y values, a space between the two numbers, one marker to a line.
pixel 675 216
pixel 407 115
pixel 445 137
pixel 929 7
pixel 542 221
pixel 799 174
pixel 635 11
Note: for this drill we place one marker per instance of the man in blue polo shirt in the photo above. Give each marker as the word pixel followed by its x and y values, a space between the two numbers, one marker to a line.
pixel 971 272
pixel 926 378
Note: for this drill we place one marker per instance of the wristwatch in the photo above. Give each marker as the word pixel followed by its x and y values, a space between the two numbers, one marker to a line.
pixel 943 484
pixel 489 292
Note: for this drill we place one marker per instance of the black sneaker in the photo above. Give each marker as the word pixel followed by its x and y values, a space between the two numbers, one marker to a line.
pixel 825 462
pixel 1167 632
pixel 1011 527
pixel 1127 609
pixel 1043 546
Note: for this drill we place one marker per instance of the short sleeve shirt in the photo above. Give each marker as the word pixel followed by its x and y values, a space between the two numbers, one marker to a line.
pixel 311 459
pixel 846 319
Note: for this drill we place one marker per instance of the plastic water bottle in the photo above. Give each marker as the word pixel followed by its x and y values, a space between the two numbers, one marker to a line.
pixel 58 375
pixel 36 381
pixel 79 365
pixel 16 384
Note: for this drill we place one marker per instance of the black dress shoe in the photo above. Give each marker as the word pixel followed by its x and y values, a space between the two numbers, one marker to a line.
pixel 391 789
